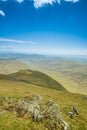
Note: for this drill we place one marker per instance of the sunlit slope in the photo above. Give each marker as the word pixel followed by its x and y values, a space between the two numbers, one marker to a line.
pixel 34 78
pixel 65 100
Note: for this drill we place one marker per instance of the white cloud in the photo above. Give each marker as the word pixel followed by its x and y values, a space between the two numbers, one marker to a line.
pixel 2 13
pixel 40 3
pixel 16 41
pixel 19 1
pixel 74 1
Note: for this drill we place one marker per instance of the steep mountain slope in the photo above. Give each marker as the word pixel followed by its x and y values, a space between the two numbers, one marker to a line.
pixel 34 78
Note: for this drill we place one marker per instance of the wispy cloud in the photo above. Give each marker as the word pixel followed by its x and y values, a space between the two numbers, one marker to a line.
pixel 2 13
pixel 40 3
pixel 74 1
pixel 19 1
pixel 16 41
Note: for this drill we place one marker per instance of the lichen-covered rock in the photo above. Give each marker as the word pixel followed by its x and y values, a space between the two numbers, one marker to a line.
pixel 37 115
pixel 65 125
pixel 55 114
pixel 32 108
pixel 50 113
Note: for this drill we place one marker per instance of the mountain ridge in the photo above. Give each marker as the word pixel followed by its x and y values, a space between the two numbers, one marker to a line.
pixel 33 77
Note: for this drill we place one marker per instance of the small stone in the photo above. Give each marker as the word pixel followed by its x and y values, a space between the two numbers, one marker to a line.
pixel 75 110
pixel 70 114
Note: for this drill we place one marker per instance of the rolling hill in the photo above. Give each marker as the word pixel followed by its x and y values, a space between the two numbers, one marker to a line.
pixel 34 78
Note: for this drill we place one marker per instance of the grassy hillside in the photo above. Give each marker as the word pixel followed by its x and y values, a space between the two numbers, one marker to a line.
pixel 34 78
pixel 20 89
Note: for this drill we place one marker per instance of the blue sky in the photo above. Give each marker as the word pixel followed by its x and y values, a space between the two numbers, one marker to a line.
pixel 43 26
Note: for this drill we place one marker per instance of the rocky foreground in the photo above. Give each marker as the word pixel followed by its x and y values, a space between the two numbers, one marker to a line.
pixel 35 109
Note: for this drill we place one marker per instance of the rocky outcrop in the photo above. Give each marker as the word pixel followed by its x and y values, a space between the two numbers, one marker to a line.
pixel 54 114
pixel 50 112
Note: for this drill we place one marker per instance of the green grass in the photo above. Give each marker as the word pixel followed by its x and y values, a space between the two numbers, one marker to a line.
pixel 65 100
